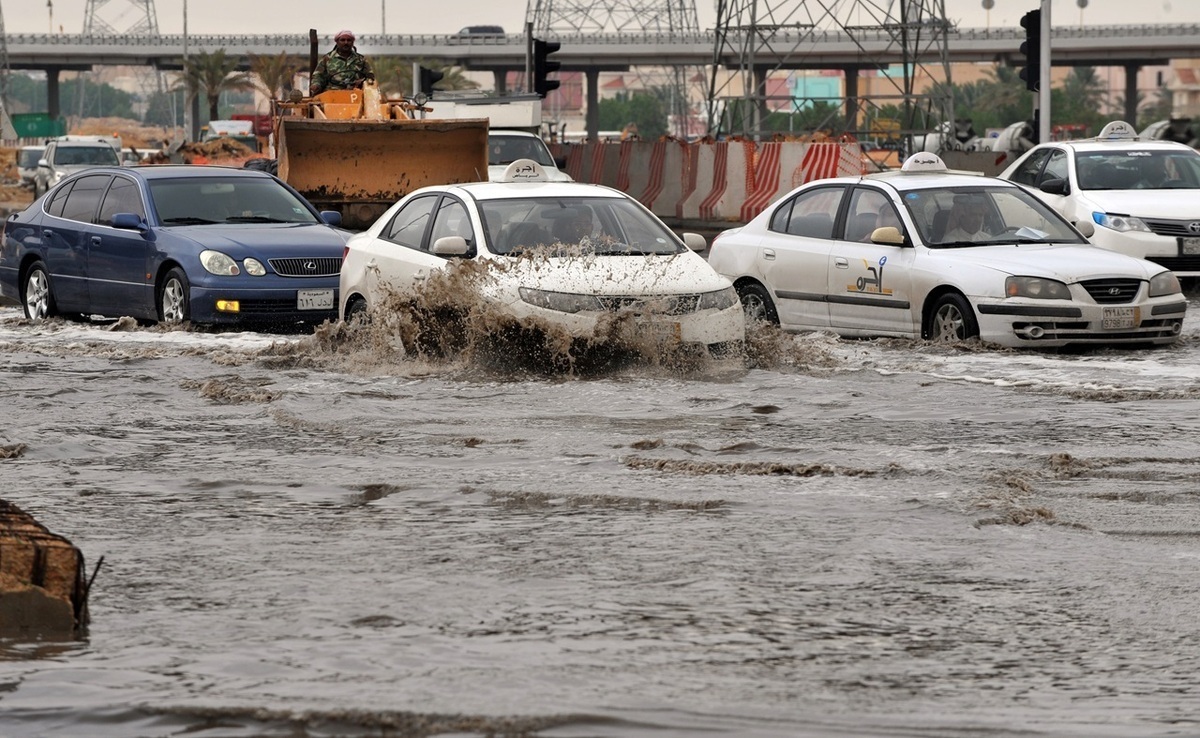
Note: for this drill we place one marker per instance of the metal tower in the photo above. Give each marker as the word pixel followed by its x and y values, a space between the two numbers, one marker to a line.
pixel 770 36
pixel 611 16
pixel 131 17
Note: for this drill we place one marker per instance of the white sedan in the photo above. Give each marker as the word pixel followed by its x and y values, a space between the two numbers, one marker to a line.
pixel 927 253
pixel 1143 196
pixel 576 257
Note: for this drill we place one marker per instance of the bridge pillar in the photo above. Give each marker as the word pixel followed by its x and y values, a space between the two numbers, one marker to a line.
pixel 592 74
pixel 500 81
pixel 53 106
pixel 851 72
pixel 760 108
pixel 1131 96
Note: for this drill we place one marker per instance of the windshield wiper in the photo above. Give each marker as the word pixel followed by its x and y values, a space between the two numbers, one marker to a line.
pixel 189 220
pixel 254 219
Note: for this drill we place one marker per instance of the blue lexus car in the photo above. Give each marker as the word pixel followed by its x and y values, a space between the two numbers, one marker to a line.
pixel 174 244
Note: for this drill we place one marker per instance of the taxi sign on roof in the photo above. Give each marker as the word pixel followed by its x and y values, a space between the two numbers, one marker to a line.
pixel 525 170
pixel 1118 130
pixel 923 161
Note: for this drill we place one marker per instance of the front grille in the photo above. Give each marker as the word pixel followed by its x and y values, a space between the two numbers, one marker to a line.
pixel 664 305
pixel 1112 291
pixel 320 266
pixel 1081 332
pixel 1177 263
pixel 1171 228
pixel 261 308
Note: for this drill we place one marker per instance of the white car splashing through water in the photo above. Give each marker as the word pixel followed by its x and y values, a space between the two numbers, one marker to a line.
pixel 576 257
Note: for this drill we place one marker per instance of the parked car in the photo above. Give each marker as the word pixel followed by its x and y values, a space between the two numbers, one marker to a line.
pixel 175 243
pixel 506 146
pixel 567 253
pixel 27 163
pixel 926 253
pixel 62 158
pixel 1143 196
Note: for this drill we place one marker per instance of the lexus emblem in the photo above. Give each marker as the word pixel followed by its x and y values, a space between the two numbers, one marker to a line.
pixel 311 266
pixel 1194 227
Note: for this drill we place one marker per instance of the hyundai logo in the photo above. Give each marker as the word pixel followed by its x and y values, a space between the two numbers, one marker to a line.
pixel 1114 291
pixel 311 266
pixel 1194 227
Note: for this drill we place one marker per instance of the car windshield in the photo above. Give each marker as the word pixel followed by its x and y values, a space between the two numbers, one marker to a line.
pixel 507 149
pixel 1138 169
pixel 593 225
pixel 28 158
pixel 955 217
pixel 85 155
pixel 204 200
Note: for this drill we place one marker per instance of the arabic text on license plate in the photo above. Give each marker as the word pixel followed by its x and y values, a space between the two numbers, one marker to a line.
pixel 314 299
pixel 662 330
pixel 1118 318
pixel 1189 246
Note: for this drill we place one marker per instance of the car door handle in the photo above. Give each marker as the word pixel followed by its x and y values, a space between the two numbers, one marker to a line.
pixel 372 265
pixel 420 274
pixel 840 262
pixel 95 240
pixel 769 254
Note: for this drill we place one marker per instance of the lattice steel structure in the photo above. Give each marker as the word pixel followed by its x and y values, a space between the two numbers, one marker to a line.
pixel 119 17
pixel 782 33
pixel 568 17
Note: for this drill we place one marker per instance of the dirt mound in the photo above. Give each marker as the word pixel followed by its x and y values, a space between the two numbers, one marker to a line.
pixel 132 132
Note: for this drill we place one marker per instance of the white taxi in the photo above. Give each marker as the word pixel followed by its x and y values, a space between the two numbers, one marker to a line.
pixel 924 252
pixel 569 254
pixel 1143 196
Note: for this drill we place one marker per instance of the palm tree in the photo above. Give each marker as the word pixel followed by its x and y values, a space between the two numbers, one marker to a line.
pixel 275 73
pixel 394 75
pixel 214 73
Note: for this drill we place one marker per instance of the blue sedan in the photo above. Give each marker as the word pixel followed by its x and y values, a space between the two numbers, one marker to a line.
pixel 174 244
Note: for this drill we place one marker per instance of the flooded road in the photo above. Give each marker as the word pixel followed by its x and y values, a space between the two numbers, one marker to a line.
pixel 319 536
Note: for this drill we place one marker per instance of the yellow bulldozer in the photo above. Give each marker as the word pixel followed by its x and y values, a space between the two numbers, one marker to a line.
pixel 356 152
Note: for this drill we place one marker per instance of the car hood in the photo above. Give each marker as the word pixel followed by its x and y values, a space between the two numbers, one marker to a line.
pixel 273 239
pixel 1061 262
pixel 625 275
pixel 1170 204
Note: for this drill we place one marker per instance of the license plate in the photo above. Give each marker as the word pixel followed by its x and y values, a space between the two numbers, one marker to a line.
pixel 1115 319
pixel 314 299
pixel 663 331
pixel 1189 246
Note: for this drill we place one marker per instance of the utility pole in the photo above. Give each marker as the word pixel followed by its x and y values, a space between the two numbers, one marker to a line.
pixel 1044 74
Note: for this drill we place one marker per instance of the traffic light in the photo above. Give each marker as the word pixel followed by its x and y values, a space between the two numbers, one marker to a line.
pixel 1031 49
pixel 543 66
pixel 429 78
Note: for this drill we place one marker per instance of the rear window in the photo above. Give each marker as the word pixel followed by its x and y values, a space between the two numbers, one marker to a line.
pixel 85 155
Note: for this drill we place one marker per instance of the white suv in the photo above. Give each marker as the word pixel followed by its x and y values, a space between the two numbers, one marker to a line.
pixel 1143 196
pixel 505 147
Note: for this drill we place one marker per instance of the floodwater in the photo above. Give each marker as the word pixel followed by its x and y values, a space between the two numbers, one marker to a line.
pixel 323 535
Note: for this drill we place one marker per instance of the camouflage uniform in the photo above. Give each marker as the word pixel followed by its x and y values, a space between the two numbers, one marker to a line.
pixel 336 73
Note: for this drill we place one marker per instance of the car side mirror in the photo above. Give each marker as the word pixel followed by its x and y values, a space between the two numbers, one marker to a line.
pixel 43 163
pixel 450 246
pixel 1055 186
pixel 1085 227
pixel 887 234
pixel 331 217
pixel 695 241
pixel 128 222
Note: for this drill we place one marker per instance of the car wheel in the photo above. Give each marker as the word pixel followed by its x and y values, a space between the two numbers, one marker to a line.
pixel 173 303
pixel 951 319
pixel 38 299
pixel 757 303
pixel 356 309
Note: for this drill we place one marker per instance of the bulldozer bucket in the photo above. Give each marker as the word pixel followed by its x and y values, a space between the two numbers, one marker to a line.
pixel 361 167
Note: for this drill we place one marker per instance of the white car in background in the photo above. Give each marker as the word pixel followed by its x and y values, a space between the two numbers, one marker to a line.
pixel 883 255
pixel 1142 196
pixel 506 146
pixel 574 256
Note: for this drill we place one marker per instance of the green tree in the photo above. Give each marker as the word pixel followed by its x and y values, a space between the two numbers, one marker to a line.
pixel 645 110
pixel 394 75
pixel 213 73
pixel 274 74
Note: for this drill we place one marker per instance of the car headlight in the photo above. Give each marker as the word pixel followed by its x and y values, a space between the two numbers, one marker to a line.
pixel 1164 283
pixel 1120 223
pixel 217 263
pixel 254 267
pixel 1036 287
pixel 719 300
pixel 56 177
pixel 563 302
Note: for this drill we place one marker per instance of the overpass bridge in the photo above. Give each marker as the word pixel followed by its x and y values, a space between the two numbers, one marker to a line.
pixel 1129 46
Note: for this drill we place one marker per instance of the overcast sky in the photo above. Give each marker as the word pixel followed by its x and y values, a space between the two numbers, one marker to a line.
pixel 447 16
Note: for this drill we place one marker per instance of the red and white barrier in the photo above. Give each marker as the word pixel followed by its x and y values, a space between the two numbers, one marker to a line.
pixel 691 170
pixel 732 165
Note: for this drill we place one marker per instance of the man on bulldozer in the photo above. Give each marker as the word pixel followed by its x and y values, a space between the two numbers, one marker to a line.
pixel 343 68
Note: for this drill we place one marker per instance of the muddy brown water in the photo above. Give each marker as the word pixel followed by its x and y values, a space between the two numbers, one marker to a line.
pixel 327 535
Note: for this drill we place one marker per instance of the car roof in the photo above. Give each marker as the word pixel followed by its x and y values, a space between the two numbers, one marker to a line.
pixel 511 132
pixel 511 190
pixel 1117 136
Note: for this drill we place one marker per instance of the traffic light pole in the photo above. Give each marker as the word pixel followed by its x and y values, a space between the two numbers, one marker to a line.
pixel 1043 93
